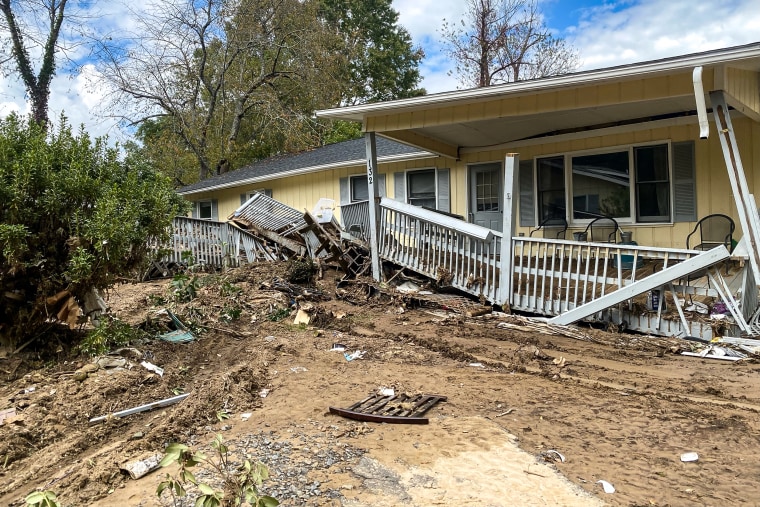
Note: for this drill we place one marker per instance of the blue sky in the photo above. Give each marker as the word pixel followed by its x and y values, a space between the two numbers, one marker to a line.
pixel 605 33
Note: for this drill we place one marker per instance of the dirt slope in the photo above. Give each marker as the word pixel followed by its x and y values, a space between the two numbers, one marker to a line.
pixel 619 408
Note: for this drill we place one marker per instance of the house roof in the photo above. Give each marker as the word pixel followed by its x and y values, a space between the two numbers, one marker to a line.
pixel 331 156
pixel 452 123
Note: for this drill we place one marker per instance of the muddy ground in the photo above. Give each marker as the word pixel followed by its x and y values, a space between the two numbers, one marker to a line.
pixel 618 407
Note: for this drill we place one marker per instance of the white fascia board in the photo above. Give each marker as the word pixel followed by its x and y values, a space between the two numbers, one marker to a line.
pixel 683 63
pixel 313 169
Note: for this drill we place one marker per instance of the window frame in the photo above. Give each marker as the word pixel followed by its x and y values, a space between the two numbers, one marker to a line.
pixel 351 179
pixel 407 183
pixel 210 203
pixel 633 218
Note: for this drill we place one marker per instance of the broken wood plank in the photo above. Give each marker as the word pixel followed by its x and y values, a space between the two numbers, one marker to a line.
pixel 680 270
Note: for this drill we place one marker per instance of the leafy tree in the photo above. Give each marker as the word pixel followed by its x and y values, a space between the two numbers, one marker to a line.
pixel 380 61
pixel 503 41
pixel 226 79
pixel 73 217
pixel 21 33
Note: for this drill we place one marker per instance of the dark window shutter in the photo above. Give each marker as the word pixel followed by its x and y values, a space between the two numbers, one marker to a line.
pixel 684 182
pixel 214 210
pixel 399 186
pixel 345 192
pixel 527 204
pixel 444 201
pixel 195 209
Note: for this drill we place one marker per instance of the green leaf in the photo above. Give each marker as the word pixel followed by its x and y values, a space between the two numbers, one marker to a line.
pixel 206 489
pixel 34 498
pixel 268 501
pixel 162 486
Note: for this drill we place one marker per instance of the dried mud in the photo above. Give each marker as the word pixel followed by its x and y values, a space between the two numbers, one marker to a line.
pixel 618 407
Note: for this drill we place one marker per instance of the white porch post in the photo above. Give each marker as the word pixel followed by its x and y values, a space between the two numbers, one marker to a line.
pixel 374 204
pixel 746 206
pixel 511 164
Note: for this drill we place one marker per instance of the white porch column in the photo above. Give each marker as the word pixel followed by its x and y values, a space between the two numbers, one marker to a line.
pixel 511 164
pixel 746 205
pixel 374 204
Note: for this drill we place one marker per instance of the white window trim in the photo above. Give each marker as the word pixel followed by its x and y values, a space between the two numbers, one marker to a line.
pixel 351 179
pixel 417 170
pixel 568 174
pixel 266 191
pixel 198 208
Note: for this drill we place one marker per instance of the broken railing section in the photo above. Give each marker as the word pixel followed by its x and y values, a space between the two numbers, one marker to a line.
pixel 453 252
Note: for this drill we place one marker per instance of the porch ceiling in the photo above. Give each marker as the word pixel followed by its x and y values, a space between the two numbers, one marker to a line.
pixel 497 131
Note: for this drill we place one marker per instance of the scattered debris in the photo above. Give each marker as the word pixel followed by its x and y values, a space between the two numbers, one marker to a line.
pixel 8 413
pixel 141 408
pixel 715 352
pixel 400 409
pixel 141 468
pixel 247 415
pixel 689 457
pixel 476 365
pixel 302 317
pixel 338 347
pixel 264 393
pixel 354 355
pixel 152 367
pixel 180 334
pixel 553 455
pixel 608 488
pixel 386 391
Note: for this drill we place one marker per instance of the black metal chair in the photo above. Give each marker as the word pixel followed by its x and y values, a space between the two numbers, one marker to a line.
pixel 602 230
pixel 552 228
pixel 711 231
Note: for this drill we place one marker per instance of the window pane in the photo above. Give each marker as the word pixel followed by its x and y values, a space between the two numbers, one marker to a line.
pixel 421 186
pixel 551 187
pixel 359 190
pixel 487 190
pixel 652 183
pixel 601 186
pixel 204 210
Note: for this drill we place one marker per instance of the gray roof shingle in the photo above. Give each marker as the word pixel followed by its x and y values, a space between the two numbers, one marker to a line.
pixel 329 155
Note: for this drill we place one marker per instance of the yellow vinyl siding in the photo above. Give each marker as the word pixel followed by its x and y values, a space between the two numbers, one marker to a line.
pixel 566 99
pixel 744 87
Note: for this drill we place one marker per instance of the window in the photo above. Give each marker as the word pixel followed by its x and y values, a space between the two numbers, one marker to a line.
pixel 205 210
pixel 359 188
pixel 551 187
pixel 266 191
pixel 487 189
pixel 652 183
pixel 421 188
pixel 601 186
pixel 628 184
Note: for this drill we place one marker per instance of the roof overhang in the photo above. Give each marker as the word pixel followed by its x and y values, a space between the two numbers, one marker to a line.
pixel 312 169
pixel 451 123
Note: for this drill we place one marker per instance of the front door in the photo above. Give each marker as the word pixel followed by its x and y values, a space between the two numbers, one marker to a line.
pixel 486 195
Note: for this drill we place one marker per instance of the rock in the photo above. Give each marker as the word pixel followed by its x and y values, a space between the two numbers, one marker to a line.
pixel 80 376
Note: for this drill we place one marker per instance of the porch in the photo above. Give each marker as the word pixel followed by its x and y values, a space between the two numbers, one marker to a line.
pixel 554 278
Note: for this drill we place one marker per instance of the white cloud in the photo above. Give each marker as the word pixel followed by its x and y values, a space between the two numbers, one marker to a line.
pixel 652 29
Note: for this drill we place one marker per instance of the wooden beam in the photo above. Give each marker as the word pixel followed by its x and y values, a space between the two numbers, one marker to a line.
pixel 427 143
pixel 653 281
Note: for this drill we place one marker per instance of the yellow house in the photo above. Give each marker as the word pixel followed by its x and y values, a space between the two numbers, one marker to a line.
pixel 622 142
pixel 337 172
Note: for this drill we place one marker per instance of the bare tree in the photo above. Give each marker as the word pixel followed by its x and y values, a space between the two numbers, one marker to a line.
pixel 209 70
pixel 43 35
pixel 501 41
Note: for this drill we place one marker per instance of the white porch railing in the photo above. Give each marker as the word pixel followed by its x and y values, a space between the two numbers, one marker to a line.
pixel 216 244
pixel 354 218
pixel 453 252
pixel 554 276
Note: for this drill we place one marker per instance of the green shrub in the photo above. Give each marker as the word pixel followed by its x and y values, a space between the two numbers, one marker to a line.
pixel 74 215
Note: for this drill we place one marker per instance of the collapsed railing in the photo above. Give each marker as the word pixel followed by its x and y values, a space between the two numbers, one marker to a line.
pixel 453 252
pixel 354 218
pixel 217 244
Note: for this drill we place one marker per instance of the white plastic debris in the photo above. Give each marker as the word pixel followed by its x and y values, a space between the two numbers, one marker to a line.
pixel 408 287
pixel 152 367
pixel 689 456
pixel 354 355
pixel 264 393
pixel 476 365
pixel 608 488
pixel 338 347
pixel 246 416
pixel 386 391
